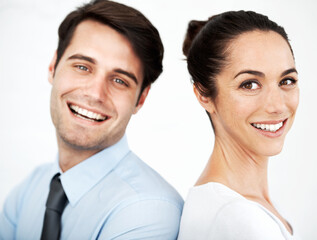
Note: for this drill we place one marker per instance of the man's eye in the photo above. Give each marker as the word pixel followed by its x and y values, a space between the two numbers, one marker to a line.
pixel 250 85
pixel 118 80
pixel 288 82
pixel 83 68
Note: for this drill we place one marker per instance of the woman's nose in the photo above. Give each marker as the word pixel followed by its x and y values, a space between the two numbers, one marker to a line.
pixel 275 101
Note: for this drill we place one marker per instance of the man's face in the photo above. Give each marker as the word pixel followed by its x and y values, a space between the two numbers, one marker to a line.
pixel 95 88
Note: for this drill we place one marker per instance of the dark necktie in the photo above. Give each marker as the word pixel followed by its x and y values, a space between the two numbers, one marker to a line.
pixel 55 205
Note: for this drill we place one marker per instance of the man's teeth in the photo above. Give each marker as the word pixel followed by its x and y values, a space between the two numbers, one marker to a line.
pixel 268 127
pixel 87 114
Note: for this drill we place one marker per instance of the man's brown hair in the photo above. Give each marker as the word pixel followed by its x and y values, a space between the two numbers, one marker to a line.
pixel 128 21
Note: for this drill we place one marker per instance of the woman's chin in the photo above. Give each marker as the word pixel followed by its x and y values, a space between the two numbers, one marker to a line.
pixel 272 151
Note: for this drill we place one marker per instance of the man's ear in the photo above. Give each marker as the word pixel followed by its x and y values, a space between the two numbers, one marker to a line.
pixel 142 99
pixel 51 68
pixel 205 102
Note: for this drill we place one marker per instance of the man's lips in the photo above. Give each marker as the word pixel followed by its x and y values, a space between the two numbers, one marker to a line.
pixel 87 114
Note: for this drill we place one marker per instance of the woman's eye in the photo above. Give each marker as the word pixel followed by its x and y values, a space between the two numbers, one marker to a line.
pixel 83 68
pixel 287 82
pixel 250 85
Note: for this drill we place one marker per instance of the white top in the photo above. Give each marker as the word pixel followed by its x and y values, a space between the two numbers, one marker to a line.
pixel 214 211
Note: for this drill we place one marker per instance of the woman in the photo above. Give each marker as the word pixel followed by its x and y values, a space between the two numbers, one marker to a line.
pixel 244 75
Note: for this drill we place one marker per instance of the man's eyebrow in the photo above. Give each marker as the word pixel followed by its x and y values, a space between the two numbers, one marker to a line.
pixel 257 73
pixel 83 57
pixel 288 71
pixel 128 74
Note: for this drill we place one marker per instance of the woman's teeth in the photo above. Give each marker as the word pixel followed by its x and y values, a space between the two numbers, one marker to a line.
pixel 268 127
pixel 84 113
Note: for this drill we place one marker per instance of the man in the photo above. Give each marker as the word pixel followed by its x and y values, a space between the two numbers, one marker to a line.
pixel 107 57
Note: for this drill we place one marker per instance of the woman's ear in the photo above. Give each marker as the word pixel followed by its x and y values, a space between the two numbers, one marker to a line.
pixel 205 102
pixel 51 68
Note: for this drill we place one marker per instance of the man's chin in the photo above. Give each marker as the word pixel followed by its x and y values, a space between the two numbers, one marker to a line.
pixel 83 143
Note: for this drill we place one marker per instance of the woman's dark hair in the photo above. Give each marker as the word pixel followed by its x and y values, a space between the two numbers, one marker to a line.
pixel 206 43
pixel 142 35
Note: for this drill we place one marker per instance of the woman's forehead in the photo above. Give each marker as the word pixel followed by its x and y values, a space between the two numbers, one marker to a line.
pixel 257 49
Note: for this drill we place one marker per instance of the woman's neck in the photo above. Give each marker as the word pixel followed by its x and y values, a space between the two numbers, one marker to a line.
pixel 237 168
pixel 242 171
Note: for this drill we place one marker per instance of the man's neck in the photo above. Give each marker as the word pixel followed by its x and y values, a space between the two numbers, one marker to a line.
pixel 70 157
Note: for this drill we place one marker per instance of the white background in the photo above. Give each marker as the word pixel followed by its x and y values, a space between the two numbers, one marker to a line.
pixel 172 132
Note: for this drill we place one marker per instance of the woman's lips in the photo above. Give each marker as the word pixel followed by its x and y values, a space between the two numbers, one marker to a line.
pixel 270 128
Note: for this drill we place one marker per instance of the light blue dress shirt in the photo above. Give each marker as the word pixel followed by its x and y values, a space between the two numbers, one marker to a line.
pixel 112 195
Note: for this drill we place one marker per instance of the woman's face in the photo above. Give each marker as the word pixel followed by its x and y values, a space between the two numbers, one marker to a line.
pixel 257 93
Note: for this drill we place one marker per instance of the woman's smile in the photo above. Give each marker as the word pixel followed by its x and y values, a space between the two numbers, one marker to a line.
pixel 270 128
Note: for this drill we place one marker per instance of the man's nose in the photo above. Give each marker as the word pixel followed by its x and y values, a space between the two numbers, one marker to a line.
pixel 96 87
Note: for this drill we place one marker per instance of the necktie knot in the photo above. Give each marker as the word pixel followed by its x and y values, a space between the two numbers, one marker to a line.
pixel 57 199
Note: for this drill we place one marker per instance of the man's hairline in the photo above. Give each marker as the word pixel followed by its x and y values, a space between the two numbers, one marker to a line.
pixel 109 25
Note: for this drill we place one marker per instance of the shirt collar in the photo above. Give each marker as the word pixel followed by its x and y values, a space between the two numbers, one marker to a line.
pixel 81 178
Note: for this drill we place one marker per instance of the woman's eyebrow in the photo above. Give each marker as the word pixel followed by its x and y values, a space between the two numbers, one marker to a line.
pixel 288 71
pixel 253 72
pixel 260 74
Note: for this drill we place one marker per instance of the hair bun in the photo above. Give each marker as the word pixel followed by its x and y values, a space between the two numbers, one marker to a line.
pixel 193 29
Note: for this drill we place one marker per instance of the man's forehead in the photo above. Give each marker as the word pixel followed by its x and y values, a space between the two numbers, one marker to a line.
pixel 100 44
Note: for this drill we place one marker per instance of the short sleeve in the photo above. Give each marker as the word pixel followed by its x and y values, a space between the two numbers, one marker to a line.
pixel 145 219
pixel 243 220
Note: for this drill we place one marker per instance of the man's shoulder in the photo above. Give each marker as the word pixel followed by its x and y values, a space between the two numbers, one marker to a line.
pixel 38 173
pixel 17 203
pixel 144 206
pixel 144 182
pixel 34 180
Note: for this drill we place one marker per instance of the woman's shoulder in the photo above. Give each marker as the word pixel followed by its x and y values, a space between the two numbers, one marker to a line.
pixel 201 206
pixel 243 219
pixel 211 194
pixel 214 211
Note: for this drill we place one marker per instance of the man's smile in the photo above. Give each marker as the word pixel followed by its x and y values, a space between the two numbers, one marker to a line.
pixel 86 114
